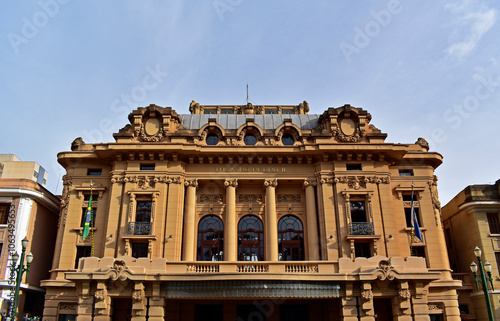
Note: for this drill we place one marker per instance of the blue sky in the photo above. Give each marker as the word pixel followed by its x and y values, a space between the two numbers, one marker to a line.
pixel 422 69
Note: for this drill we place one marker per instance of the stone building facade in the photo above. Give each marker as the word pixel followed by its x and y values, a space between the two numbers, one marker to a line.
pixel 27 210
pixel 250 213
pixel 472 218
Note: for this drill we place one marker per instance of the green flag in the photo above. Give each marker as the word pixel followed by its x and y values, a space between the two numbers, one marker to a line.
pixel 88 218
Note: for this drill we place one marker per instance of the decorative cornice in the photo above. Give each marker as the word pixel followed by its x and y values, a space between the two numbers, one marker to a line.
pixel 357 182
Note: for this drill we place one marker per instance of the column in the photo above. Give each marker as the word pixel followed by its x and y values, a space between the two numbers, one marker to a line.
pixel 139 303
pixel 189 220
pixel 312 221
pixel 401 305
pixel 367 312
pixel 85 302
pixel 419 302
pixel 230 230
pixel 271 222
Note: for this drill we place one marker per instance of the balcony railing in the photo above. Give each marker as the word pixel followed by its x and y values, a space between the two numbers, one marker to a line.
pixel 361 228
pixel 139 228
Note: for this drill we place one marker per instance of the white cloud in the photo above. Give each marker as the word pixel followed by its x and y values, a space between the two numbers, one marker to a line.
pixel 473 23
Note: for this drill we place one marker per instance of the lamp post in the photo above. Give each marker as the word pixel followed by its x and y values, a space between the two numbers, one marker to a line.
pixel 483 278
pixel 20 269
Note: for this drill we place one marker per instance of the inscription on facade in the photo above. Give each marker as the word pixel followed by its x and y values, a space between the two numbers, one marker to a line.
pixel 241 169
pixel 289 198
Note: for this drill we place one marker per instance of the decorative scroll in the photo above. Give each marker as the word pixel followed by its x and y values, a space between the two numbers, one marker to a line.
pixel 271 182
pixel 143 137
pixel 341 137
pixel 211 198
pixel 67 306
pixel 386 270
pixel 408 203
pixel 231 182
pixel 100 295
pixel 309 182
pixel 192 182
pixel 289 198
pixel 250 198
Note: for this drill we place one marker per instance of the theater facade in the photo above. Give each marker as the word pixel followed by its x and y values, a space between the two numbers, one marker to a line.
pixel 250 213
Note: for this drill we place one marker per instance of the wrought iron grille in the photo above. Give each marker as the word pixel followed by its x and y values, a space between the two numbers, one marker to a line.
pixel 362 228
pixel 139 228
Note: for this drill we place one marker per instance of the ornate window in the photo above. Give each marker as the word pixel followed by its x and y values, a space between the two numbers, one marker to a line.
pixel 142 224
pixel 250 139
pixel 212 139
pixel 287 140
pixel 290 239
pixel 250 239
pixel 210 239
pixel 4 213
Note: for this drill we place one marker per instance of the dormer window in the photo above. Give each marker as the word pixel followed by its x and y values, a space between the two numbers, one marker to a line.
pixel 287 140
pixel 212 139
pixel 250 139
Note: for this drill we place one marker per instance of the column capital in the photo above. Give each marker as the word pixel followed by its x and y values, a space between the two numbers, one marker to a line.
pixel 191 182
pixel 326 180
pixel 310 182
pixel 270 182
pixel 231 182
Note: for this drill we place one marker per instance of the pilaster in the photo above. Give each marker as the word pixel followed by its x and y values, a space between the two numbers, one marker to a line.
pixel 156 305
pixel 312 221
pixel 271 220
pixel 190 220
pixel 230 231
pixel 349 304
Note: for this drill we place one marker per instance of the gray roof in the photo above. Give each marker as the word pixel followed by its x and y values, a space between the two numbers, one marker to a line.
pixel 269 121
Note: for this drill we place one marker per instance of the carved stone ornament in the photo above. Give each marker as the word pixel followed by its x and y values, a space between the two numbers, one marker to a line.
pixel 138 295
pixel 100 295
pixel 192 182
pixel 289 198
pixel 358 182
pixel 367 295
pixel 423 143
pixel 386 270
pixel 211 198
pixel 435 306
pixel 271 183
pixel 404 294
pixel 435 200
pixel 231 182
pixel 310 182
pixel 327 180
pixel 250 198
pixel 143 137
pixel 118 269
pixel 64 200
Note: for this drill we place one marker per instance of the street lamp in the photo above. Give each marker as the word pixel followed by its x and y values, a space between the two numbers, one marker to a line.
pixel 20 269
pixel 483 278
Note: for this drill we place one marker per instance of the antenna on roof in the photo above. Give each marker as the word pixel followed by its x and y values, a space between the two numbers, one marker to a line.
pixel 248 98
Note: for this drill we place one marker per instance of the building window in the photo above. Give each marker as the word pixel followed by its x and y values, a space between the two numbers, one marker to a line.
pixel 4 213
pixel 493 222
pixel 250 239
pixel 497 257
pixel 406 172
pixel 287 111
pixel 210 239
pixel 359 221
pixel 287 140
pixel 147 167
pixel 142 224
pixel 212 139
pixel 84 217
pixel 210 111
pixel 271 111
pixel 418 251
pixel 362 249
pixel 227 111
pixel 35 174
pixel 139 250
pixel 408 217
pixel 86 198
pixel 463 308
pixel 94 172
pixel 82 251
pixel 250 139
pixel 290 239
pixel 353 167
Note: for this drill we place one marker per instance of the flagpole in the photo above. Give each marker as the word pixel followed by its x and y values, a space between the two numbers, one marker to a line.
pixel 91 223
pixel 411 217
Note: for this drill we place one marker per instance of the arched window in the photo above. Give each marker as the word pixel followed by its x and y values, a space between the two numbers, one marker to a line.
pixel 210 239
pixel 290 239
pixel 250 239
